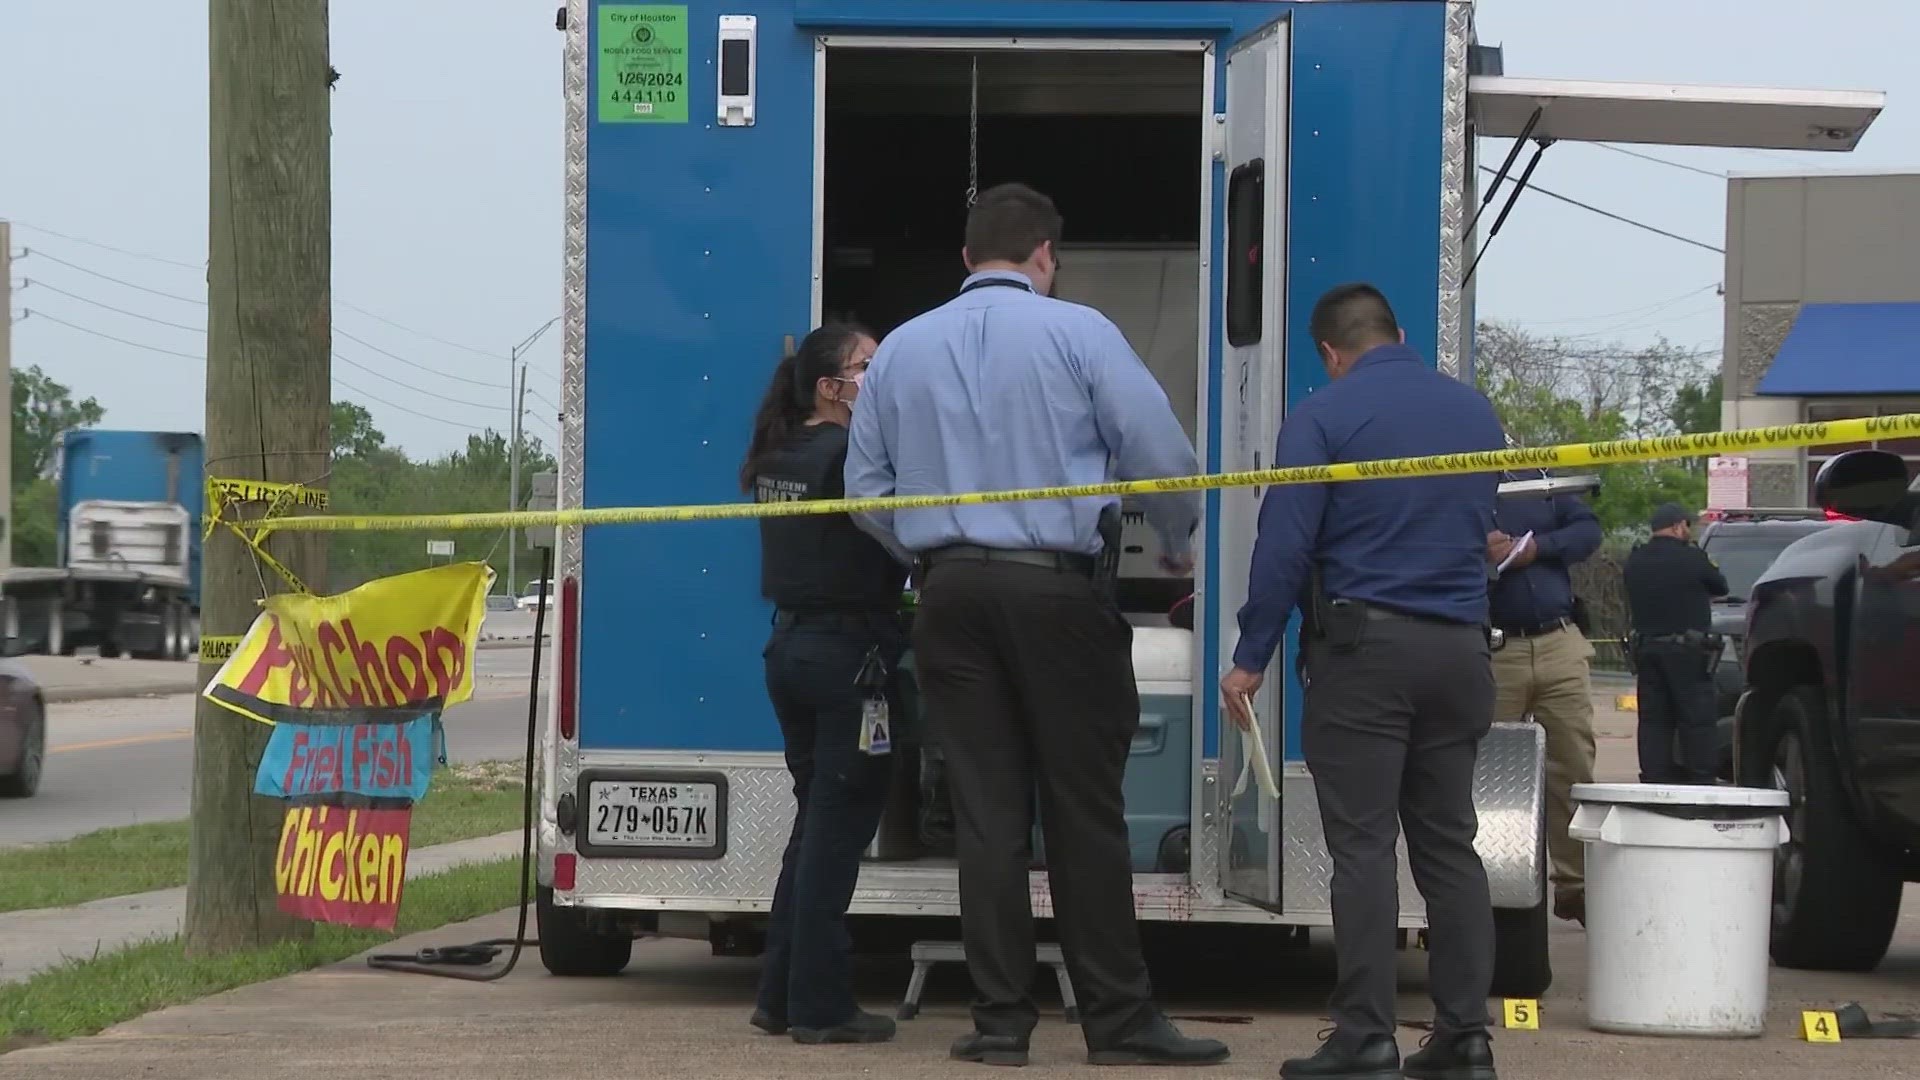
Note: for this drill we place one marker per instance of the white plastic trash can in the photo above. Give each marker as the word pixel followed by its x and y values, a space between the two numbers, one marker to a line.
pixel 1679 906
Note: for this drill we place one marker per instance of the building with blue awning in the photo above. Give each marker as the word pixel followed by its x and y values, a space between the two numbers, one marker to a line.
pixel 1822 313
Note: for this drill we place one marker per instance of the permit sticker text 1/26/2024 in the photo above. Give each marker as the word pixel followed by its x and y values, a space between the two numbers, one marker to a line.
pixel 642 56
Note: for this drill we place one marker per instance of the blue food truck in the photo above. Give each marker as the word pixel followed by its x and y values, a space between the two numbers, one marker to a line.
pixel 738 171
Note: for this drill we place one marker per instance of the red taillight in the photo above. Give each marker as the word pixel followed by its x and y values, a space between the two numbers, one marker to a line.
pixel 565 699
pixel 1835 515
pixel 565 865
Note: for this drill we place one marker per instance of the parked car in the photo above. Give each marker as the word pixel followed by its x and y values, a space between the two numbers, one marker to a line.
pixel 1744 543
pixel 536 591
pixel 23 729
pixel 1831 714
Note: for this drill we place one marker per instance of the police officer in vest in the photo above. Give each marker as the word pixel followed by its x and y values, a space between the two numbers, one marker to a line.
pixel 836 636
pixel 1670 589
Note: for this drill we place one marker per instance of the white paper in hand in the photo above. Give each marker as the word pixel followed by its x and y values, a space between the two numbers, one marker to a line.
pixel 1256 744
pixel 1519 546
pixel 1254 761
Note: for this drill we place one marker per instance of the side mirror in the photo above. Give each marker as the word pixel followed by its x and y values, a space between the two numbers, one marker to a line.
pixel 1867 484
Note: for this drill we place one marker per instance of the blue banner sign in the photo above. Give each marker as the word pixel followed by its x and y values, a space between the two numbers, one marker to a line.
pixel 383 761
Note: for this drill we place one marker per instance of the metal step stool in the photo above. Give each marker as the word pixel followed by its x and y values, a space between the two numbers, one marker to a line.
pixel 928 953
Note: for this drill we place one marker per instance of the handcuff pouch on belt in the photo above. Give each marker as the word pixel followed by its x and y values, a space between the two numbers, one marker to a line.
pixel 876 721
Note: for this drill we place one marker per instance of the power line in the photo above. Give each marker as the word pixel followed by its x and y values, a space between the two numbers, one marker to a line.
pixel 1661 160
pixel 136 344
pixel 422 367
pixel 31 283
pixel 1590 208
pixel 200 330
pixel 424 334
pixel 201 358
pixel 201 266
pixel 381 375
pixel 1654 306
pixel 110 247
pixel 537 396
pixel 107 277
pixel 411 412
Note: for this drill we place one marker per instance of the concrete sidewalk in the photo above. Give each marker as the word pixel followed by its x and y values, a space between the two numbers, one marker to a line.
pixel 678 1011
pixel 32 941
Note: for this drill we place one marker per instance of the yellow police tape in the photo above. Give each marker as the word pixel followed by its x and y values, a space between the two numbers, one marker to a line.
pixel 1789 436
pixel 224 494
pixel 216 650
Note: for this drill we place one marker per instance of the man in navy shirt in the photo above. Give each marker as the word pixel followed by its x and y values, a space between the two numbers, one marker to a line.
pixel 1542 668
pixel 1398 675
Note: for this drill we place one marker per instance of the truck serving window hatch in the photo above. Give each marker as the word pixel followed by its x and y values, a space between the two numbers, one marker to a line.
pixel 1659 114
pixel 1670 114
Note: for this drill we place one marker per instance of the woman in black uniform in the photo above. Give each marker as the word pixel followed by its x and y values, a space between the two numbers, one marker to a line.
pixel 836 595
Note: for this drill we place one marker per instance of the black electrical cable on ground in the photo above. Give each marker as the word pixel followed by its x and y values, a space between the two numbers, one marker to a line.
pixel 435 961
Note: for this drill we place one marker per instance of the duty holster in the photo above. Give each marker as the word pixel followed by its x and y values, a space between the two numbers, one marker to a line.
pixel 1339 624
pixel 1106 567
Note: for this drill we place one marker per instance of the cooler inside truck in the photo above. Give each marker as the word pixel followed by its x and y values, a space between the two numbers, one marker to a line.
pixel 739 172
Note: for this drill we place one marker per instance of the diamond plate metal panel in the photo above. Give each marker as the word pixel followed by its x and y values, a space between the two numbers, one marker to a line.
pixel 760 815
pixel 561 764
pixel 760 809
pixel 1510 797
pixel 1453 186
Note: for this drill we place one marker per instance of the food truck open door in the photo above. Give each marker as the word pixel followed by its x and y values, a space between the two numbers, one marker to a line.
pixel 1253 322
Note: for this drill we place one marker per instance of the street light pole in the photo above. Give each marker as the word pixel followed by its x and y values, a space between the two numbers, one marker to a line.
pixel 516 402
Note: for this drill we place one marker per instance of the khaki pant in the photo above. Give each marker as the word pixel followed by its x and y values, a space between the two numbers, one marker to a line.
pixel 1548 677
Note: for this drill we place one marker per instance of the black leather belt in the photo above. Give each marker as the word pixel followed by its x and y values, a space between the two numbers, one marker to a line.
pixel 835 620
pixel 1051 560
pixel 1551 626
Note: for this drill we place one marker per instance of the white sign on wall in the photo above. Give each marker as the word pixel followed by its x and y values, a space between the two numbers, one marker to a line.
pixel 1727 483
pixel 440 547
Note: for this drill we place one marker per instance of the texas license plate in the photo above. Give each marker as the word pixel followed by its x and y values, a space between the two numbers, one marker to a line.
pixel 653 814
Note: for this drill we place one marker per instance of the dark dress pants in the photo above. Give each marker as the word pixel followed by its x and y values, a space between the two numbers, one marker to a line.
pixel 1026 675
pixel 1392 732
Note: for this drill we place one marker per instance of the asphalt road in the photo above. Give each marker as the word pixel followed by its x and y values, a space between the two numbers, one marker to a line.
pixel 123 761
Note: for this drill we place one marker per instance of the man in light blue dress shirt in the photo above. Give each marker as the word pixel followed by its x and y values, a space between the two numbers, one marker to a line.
pixel 1025 664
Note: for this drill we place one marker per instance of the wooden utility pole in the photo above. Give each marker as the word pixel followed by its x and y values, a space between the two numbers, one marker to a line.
pixel 269 386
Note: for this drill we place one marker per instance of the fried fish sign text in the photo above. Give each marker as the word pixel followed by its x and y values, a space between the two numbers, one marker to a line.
pixel 389 644
pixel 342 866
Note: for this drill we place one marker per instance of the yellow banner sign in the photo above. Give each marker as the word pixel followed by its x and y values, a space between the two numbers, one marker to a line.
pixel 396 643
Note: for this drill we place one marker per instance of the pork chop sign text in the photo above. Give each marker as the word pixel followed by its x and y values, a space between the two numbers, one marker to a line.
pixel 398 643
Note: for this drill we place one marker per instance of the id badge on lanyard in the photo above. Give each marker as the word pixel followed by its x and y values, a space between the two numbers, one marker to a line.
pixel 876 726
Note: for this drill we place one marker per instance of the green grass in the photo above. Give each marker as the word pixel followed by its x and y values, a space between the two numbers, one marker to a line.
pixel 81 997
pixel 463 802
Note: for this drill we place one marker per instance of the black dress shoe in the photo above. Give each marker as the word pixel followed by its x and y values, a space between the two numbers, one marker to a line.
pixel 1373 1057
pixel 1467 1056
pixel 990 1049
pixel 864 1027
pixel 1159 1043
pixel 769 1023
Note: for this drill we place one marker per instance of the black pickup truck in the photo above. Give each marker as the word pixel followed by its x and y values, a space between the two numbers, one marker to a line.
pixel 1743 544
pixel 1831 714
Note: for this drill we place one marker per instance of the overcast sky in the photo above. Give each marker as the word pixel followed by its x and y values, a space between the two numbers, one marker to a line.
pixel 447 187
